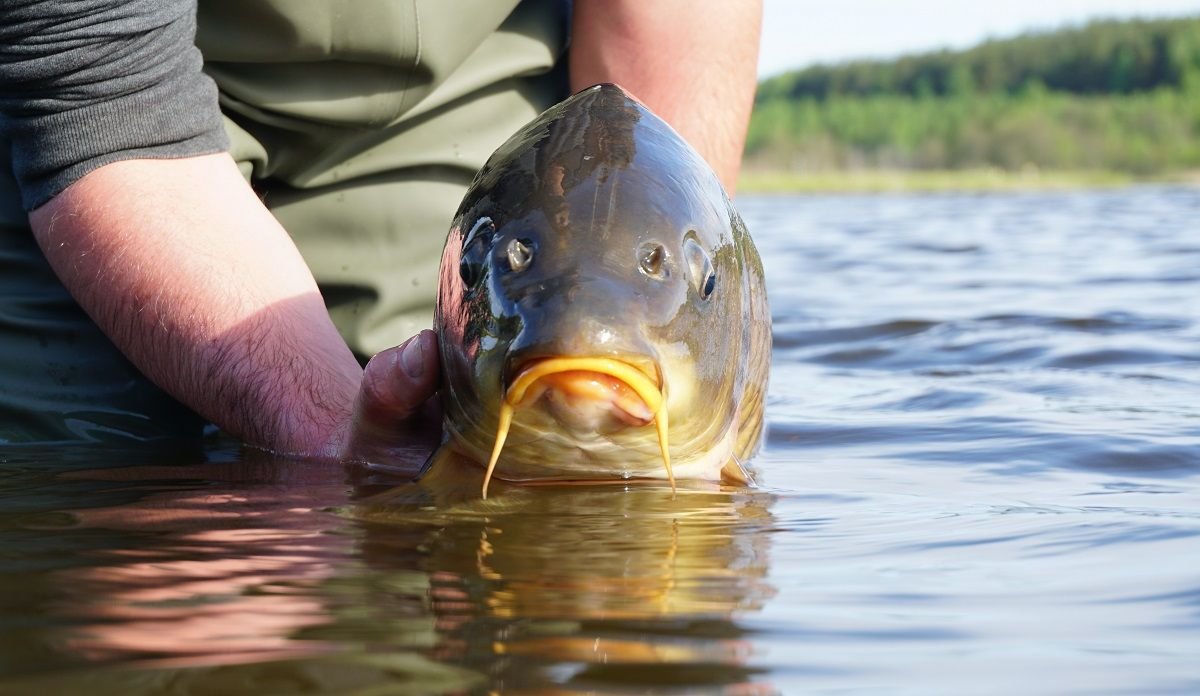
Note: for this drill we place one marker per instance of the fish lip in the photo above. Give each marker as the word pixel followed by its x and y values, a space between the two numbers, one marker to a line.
pixel 647 366
pixel 646 384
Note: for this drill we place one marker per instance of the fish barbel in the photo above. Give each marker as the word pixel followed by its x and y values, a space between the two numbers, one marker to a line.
pixel 596 282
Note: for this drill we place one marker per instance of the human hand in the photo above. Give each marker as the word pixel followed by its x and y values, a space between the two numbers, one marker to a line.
pixel 397 420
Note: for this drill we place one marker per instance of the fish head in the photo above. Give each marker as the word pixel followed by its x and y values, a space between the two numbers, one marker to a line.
pixel 591 295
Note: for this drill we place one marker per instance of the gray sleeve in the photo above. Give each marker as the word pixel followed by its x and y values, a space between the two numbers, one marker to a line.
pixel 87 82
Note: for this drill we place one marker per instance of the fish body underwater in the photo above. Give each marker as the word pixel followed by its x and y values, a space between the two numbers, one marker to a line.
pixel 601 310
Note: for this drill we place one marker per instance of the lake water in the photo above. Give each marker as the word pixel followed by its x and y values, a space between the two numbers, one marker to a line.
pixel 982 476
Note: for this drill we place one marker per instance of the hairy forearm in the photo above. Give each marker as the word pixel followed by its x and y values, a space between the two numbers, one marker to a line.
pixel 692 62
pixel 191 277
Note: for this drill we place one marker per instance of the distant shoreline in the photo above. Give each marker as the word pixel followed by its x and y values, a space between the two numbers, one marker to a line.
pixel 765 181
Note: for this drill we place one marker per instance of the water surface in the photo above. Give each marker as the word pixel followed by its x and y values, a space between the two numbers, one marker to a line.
pixel 982 476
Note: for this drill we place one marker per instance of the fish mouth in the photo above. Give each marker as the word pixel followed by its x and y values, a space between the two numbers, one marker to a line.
pixel 634 392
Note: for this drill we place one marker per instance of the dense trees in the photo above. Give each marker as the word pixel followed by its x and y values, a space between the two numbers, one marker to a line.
pixel 1110 95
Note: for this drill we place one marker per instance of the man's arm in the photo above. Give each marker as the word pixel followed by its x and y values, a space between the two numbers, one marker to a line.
pixel 195 281
pixel 692 62
pixel 112 123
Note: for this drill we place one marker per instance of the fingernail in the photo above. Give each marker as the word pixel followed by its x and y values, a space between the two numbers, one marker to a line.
pixel 412 358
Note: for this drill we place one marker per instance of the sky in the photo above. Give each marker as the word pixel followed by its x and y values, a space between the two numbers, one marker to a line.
pixel 798 33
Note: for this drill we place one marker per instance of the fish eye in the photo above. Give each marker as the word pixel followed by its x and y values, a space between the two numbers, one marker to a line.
pixel 520 254
pixel 700 266
pixel 475 250
pixel 652 257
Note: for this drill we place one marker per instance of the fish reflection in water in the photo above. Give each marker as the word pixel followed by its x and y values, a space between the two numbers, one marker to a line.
pixel 265 571
pixel 579 574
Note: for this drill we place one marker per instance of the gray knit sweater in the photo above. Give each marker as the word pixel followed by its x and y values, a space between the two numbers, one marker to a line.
pixel 87 82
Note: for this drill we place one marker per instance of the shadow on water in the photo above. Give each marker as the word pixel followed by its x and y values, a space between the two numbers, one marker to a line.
pixel 244 574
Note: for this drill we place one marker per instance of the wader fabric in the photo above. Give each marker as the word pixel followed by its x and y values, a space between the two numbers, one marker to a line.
pixel 360 123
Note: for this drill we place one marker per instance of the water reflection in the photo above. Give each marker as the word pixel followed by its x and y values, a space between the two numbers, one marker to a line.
pixel 226 560
pixel 245 572
pixel 973 483
pixel 575 581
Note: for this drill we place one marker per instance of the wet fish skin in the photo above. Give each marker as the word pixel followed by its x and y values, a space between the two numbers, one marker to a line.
pixel 596 231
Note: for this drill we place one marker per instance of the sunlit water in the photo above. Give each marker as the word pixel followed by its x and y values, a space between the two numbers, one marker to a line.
pixel 982 476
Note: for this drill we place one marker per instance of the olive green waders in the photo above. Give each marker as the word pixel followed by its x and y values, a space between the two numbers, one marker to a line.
pixel 360 123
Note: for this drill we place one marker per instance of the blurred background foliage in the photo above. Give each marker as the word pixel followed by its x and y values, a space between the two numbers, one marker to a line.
pixel 1118 96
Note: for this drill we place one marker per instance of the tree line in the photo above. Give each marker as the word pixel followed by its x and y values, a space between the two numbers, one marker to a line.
pixel 1122 95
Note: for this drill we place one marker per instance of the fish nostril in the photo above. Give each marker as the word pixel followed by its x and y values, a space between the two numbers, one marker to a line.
pixel 520 254
pixel 652 258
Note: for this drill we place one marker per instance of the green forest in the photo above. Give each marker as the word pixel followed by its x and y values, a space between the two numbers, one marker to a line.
pixel 1111 98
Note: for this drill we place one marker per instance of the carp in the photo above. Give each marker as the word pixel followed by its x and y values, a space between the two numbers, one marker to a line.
pixel 601 309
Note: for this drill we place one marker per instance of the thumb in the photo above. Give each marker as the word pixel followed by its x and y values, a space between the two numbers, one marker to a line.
pixel 398 381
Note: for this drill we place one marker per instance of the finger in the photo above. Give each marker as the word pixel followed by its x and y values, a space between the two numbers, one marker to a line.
pixel 397 381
